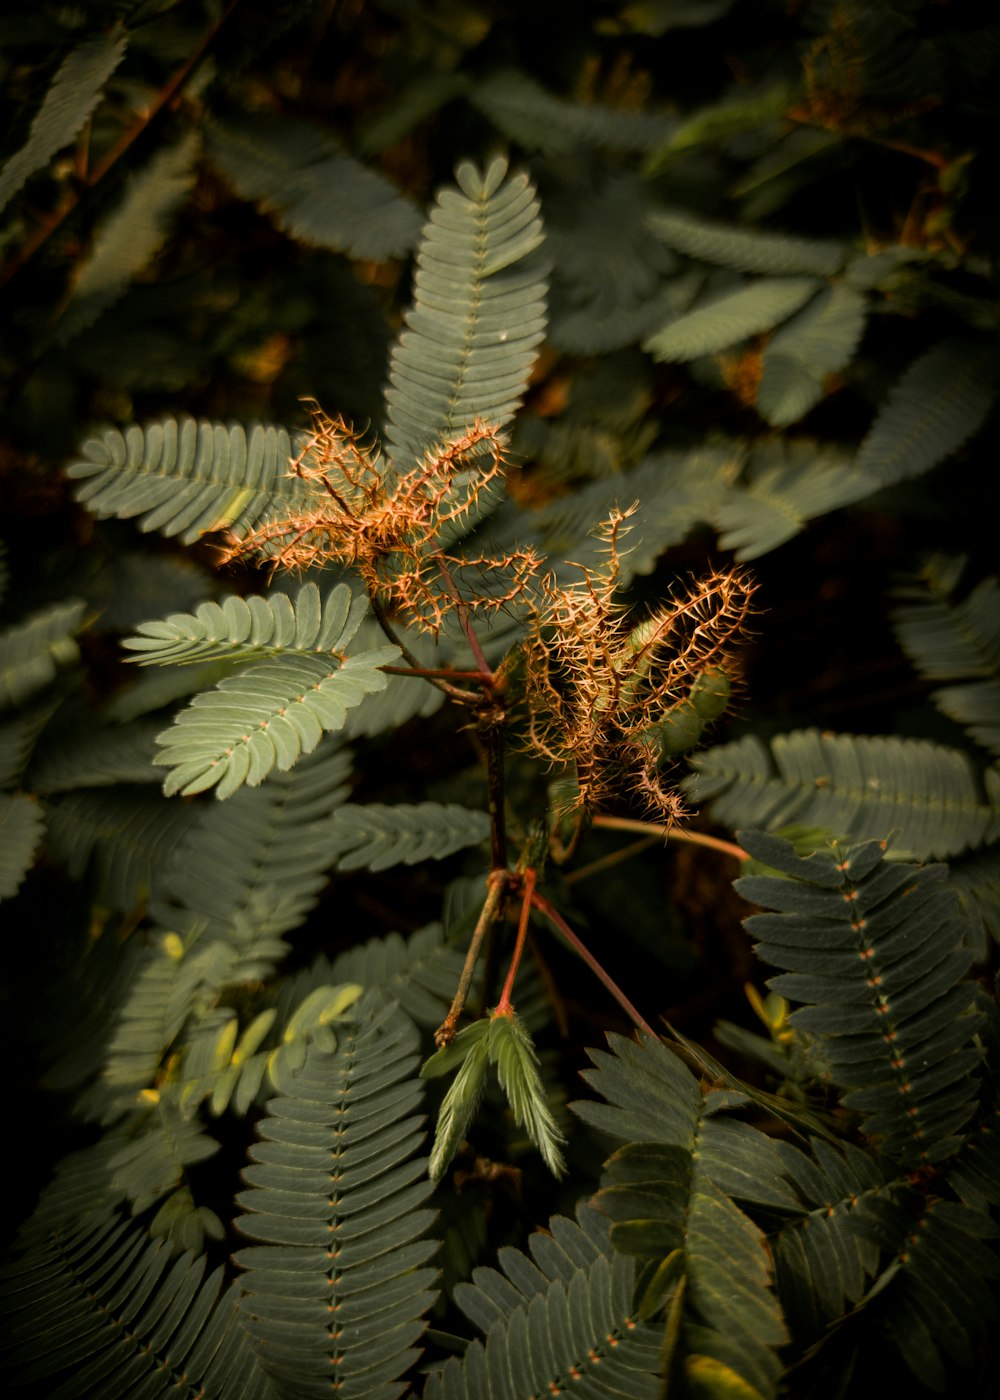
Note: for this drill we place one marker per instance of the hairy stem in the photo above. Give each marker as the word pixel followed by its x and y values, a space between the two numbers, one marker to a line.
pixel 497 884
pixel 672 833
pixel 543 906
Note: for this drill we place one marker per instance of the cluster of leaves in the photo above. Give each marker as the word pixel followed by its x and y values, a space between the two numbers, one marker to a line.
pixel 687 321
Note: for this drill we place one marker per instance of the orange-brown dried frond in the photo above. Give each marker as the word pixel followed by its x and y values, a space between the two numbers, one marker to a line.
pixel 388 525
pixel 426 594
pixel 595 682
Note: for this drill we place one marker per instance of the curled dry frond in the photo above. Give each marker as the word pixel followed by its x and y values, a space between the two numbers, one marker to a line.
pixel 599 688
pixel 393 528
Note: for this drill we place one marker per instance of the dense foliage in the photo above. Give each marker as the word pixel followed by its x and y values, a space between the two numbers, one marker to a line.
pixel 499 697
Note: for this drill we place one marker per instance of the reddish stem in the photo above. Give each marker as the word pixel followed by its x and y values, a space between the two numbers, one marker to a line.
pixel 485 671
pixel 543 906
pixel 504 1006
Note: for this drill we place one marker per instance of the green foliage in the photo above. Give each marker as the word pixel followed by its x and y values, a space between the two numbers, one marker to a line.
pixel 885 989
pixel 473 331
pixel 724 320
pixel 75 91
pixel 273 712
pixel 375 837
pixel 923 795
pixel 186 478
pixel 956 641
pixel 316 192
pixel 705 283
pixel 560 1316
pixel 336 1210
pixel 941 400
pixel 33 650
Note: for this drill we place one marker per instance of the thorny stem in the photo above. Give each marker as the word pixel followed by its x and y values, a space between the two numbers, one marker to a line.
pixel 162 99
pixel 497 884
pixel 543 906
pixel 672 833
pixel 504 1005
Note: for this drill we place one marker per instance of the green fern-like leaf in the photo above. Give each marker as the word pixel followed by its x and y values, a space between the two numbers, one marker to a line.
pixel 504 1041
pixel 939 1302
pixel 185 478
pixel 22 822
pixel 824 1255
pixel 608 270
pixel 267 716
pixel 32 651
pixel 669 1193
pixel 404 697
pixel 876 950
pixel 818 341
pixel 940 402
pixel 247 629
pixel 18 737
pixel 539 121
pixel 959 641
pixel 556 1320
pixel 315 191
pixel 120 838
pixel 127 1320
pixel 256 866
pixel 785 484
pixel 75 92
pixel 375 837
pixel 731 317
pixel 131 236
pixel 336 1202
pixel 923 795
pixel 477 318
pixel 150 1163
pixel 420 972
pixel 745 250
pixel 80 754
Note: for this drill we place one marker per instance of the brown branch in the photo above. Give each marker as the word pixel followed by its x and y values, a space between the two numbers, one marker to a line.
pixel 381 617
pixel 163 98
pixel 497 884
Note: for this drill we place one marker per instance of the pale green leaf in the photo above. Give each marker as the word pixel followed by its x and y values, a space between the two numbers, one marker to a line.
pixel 731 318
pixel 75 92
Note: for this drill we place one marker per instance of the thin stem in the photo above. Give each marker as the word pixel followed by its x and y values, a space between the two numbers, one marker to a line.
pixel 463 616
pixel 615 858
pixel 430 673
pixel 492 739
pixel 497 884
pixel 381 617
pixel 673 833
pixel 504 1005
pixel 165 96
pixel 543 906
